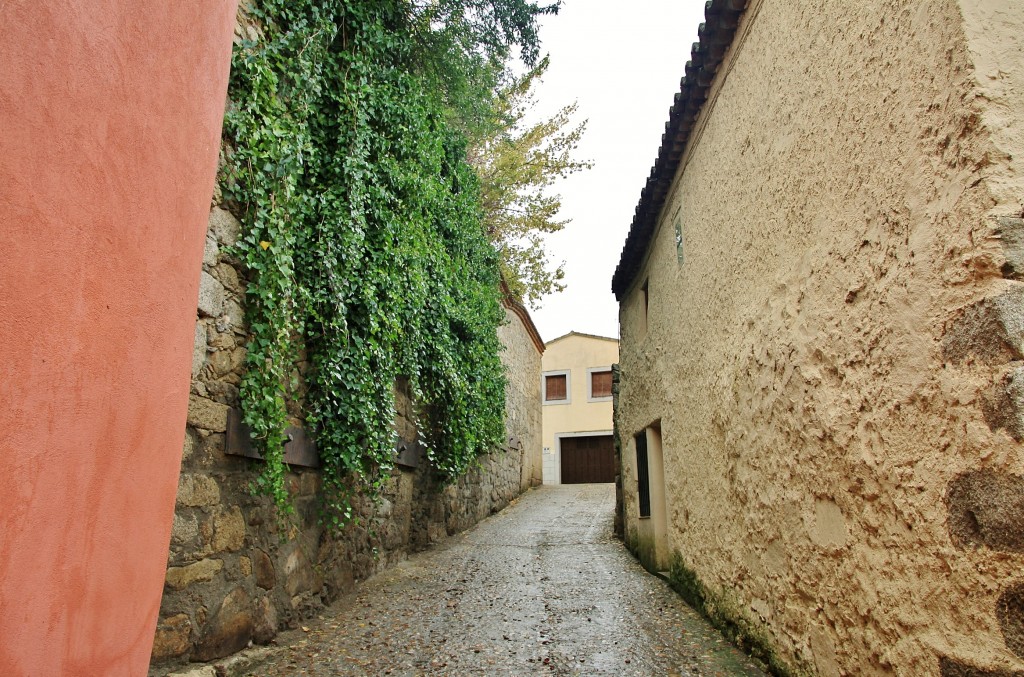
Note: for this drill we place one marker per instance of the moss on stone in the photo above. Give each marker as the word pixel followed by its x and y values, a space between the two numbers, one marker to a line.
pixel 643 548
pixel 725 612
pixel 685 582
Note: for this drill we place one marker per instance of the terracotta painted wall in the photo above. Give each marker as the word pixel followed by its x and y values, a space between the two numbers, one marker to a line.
pixel 111 113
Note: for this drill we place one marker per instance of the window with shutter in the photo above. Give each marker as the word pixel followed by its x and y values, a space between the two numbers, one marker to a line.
pixel 556 387
pixel 600 384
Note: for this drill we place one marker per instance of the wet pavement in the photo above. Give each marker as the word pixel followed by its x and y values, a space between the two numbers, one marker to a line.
pixel 543 587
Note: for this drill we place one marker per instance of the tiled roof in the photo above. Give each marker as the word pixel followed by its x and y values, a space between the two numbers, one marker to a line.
pixel 715 35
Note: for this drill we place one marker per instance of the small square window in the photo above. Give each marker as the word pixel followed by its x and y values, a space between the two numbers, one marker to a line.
pixel 600 383
pixel 556 387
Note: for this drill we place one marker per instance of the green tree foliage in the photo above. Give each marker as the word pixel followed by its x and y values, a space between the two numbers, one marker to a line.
pixel 489 27
pixel 362 230
pixel 518 162
pixel 463 49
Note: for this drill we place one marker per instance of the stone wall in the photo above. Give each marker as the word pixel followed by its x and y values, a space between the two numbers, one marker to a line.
pixel 523 348
pixel 833 357
pixel 236 574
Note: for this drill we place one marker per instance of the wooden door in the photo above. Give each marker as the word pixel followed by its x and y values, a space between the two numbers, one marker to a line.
pixel 588 459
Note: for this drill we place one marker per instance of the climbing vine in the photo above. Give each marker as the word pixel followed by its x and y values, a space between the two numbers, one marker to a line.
pixel 362 243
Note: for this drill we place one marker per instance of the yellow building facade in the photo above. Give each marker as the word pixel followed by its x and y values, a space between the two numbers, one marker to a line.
pixel 577 412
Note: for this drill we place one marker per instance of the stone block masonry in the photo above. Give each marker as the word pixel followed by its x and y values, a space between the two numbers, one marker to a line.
pixel 236 574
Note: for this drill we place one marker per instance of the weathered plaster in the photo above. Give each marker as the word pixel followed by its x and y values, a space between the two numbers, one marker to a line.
pixel 992 29
pixel 838 213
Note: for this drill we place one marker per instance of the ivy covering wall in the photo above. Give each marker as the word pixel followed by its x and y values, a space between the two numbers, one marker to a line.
pixel 362 236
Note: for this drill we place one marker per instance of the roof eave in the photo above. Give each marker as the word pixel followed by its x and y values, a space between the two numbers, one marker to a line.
pixel 715 36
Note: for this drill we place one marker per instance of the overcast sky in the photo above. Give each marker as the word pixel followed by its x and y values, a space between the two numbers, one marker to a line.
pixel 622 62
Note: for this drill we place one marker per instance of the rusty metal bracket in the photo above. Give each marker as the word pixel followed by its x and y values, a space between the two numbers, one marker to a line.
pixel 299 448
pixel 408 454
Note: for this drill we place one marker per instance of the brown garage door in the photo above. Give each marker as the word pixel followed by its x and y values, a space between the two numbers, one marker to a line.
pixel 588 459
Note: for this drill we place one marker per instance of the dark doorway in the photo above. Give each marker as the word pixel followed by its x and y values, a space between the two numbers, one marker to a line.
pixel 588 459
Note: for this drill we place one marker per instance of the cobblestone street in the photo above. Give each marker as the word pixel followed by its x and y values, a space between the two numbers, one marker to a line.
pixel 541 588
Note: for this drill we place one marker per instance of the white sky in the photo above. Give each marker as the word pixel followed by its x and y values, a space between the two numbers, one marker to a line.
pixel 622 62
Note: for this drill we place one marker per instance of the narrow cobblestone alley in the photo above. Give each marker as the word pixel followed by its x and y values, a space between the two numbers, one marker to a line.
pixel 541 588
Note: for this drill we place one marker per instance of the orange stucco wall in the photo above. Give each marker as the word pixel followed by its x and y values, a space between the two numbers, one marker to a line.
pixel 110 112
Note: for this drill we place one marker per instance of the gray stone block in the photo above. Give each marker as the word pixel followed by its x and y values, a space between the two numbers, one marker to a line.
pixel 228 277
pixel 179 578
pixel 197 490
pixel 263 568
pixel 229 530
pixel 299 574
pixel 185 531
pixel 1011 233
pixel 229 630
pixel 211 295
pixel 986 508
pixel 220 362
pixel 172 637
pixel 233 318
pixel 265 621
pixel 199 349
pixel 952 667
pixel 990 331
pixel 210 251
pixel 207 414
pixel 191 443
pixel 225 227
pixel 1010 612
pixel 1003 406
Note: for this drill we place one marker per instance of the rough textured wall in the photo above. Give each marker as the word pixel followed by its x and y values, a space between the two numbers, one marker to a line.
pixel 235 574
pixel 835 363
pixel 111 115
pixel 522 362
pixel 996 51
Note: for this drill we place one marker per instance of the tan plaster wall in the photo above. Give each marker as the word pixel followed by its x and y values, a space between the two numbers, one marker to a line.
pixel 996 50
pixel 838 204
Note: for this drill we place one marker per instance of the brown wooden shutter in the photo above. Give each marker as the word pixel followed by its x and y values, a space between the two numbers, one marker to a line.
pixel 600 384
pixel 554 387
